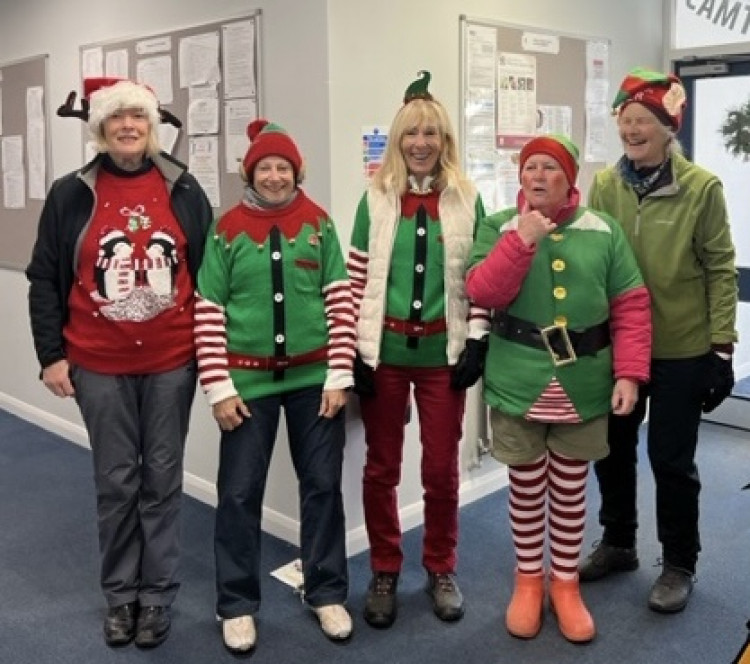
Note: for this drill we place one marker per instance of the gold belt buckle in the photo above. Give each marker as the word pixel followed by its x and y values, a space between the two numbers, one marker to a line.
pixel 557 359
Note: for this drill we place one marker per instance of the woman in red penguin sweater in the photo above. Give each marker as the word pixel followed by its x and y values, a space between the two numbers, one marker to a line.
pixel 112 326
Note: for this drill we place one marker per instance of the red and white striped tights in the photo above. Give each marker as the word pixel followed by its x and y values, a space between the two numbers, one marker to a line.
pixel 548 498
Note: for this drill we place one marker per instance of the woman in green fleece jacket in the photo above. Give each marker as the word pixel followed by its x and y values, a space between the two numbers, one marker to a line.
pixel 674 215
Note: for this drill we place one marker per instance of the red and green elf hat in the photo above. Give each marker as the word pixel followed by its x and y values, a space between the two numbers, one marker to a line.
pixel 266 139
pixel 663 94
pixel 559 147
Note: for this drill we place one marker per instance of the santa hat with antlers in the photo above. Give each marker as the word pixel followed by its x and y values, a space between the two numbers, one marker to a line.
pixel 104 95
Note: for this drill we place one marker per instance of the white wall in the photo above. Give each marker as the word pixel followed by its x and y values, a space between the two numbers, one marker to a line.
pixel 329 68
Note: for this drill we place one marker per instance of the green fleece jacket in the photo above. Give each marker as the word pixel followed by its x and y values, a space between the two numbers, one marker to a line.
pixel 681 239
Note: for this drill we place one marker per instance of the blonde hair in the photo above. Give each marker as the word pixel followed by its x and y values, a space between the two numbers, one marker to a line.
pixel 393 174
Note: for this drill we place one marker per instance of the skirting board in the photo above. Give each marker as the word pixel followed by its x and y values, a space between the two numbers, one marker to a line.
pixel 275 523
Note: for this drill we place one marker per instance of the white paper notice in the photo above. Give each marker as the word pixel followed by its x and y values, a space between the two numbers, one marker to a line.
pixel 203 163
pixel 168 135
pixel 539 43
pixel 14 180
pixel 481 55
pixel 480 112
pixel 291 574
pixel 597 72
pixel 516 99
pixel 506 175
pixel 597 101
pixel 239 59
pixel 238 113
pixel 92 62
pixel 153 45
pixel 156 72
pixel 118 63
pixel 35 143
pixel 12 153
pixel 555 120
pixel 598 121
pixel 13 187
pixel 199 60
pixel 203 110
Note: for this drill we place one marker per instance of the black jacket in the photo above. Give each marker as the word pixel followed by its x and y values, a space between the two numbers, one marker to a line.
pixel 66 214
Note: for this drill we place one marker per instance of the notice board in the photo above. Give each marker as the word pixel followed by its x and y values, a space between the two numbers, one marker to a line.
pixel 25 157
pixel 518 82
pixel 207 76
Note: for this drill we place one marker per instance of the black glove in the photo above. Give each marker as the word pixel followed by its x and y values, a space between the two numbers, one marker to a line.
pixel 364 378
pixel 470 365
pixel 719 381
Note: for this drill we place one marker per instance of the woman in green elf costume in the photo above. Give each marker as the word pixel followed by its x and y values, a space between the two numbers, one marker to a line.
pixel 570 342
pixel 274 329
pixel 409 249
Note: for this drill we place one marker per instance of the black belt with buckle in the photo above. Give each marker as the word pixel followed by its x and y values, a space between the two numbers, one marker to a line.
pixel 564 345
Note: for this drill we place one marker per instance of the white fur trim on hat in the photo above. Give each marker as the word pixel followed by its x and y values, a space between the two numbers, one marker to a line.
pixel 163 236
pixel 106 101
pixel 114 234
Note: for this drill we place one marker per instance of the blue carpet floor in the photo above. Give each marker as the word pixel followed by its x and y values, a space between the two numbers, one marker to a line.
pixel 51 609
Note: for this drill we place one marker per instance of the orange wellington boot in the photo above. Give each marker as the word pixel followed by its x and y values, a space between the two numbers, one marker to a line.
pixel 573 618
pixel 524 615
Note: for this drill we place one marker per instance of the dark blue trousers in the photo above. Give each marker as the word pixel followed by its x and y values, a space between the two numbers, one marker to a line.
pixel 316 444
pixel 674 398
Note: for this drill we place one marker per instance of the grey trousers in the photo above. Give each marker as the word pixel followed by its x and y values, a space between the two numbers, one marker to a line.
pixel 137 427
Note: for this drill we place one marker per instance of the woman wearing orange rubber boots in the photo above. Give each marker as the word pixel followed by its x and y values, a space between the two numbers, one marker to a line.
pixel 570 342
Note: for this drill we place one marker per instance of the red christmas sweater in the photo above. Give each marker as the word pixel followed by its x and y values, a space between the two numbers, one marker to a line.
pixel 131 306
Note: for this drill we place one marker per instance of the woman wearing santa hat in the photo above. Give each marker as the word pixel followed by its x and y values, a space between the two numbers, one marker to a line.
pixel 675 217
pixel 125 352
pixel 570 341
pixel 274 330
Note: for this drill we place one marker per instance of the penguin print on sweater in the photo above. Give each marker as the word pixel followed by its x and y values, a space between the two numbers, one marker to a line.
pixel 161 263
pixel 135 281
pixel 114 274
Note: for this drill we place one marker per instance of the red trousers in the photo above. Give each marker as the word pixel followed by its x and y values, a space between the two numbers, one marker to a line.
pixel 440 411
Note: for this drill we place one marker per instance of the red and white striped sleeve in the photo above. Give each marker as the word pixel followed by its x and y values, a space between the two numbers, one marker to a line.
pixel 356 266
pixel 210 336
pixel 342 334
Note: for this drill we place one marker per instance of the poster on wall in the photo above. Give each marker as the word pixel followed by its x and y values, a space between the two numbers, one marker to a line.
pixel 374 139
pixel 516 99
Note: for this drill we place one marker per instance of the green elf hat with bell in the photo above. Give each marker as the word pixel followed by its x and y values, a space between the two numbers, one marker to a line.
pixel 418 88
pixel 663 94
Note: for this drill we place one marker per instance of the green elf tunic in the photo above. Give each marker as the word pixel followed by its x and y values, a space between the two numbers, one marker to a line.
pixel 407 262
pixel 581 275
pixel 273 286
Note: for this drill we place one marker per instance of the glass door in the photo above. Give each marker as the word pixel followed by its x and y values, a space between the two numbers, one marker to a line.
pixel 716 135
